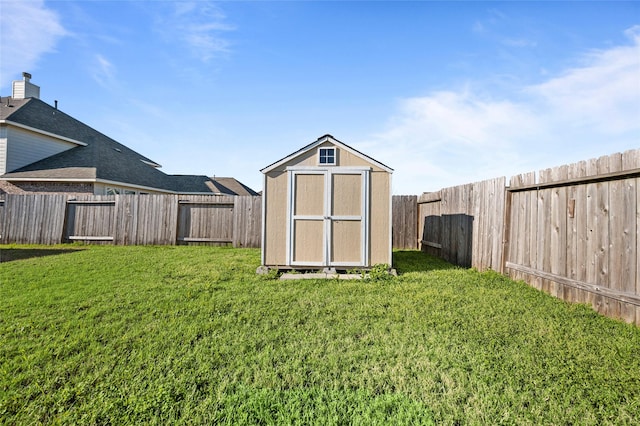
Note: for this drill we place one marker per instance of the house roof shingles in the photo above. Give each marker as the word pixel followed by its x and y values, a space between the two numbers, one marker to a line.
pixel 229 185
pixel 102 158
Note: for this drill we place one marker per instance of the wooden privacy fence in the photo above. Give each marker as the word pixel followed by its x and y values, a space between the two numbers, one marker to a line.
pixel 155 219
pixel 464 224
pixel 574 232
pixel 131 219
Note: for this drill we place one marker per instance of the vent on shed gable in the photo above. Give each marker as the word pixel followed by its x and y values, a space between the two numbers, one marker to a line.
pixel 327 156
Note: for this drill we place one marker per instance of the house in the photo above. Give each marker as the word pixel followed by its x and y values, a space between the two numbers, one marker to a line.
pixel 42 149
pixel 326 206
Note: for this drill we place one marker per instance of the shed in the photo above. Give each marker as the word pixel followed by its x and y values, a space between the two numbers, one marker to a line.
pixel 326 206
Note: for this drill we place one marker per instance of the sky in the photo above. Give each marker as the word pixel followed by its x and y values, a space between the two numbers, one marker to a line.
pixel 445 93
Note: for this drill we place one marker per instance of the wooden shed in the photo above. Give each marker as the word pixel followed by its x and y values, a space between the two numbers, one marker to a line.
pixel 326 206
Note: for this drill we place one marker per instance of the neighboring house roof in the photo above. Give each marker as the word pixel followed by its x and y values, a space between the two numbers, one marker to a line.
pixel 231 186
pixel 10 105
pixel 216 185
pixel 97 158
pixel 321 140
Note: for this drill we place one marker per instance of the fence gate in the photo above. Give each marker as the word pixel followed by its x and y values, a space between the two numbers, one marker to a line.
pixel 89 220
pixel 205 221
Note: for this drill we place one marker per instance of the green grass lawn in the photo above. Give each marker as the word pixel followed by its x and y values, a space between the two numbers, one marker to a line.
pixel 124 335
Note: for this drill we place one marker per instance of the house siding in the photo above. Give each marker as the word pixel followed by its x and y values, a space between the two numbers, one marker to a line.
pixel 28 147
pixel 3 150
pixel 24 89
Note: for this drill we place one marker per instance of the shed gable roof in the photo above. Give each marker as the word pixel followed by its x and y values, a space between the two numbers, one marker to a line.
pixel 321 140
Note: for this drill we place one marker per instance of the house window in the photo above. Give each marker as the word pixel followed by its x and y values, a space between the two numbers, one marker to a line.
pixel 327 156
pixel 110 190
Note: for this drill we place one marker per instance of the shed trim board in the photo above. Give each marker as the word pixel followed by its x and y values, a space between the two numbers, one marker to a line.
pixel 263 235
pixel 390 220
pixel 327 218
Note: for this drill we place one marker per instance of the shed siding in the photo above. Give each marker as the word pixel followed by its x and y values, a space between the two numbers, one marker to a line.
pixel 344 159
pixel 276 210
pixel 380 218
pixel 28 147
pixel 275 193
pixel 347 159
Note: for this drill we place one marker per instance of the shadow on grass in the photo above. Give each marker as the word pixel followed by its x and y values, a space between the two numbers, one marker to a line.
pixel 10 254
pixel 416 261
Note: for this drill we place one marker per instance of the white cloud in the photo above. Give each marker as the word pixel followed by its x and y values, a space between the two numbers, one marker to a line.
pixel 519 42
pixel 28 30
pixel 496 24
pixel 455 137
pixel 604 93
pixel 478 27
pixel 199 26
pixel 103 72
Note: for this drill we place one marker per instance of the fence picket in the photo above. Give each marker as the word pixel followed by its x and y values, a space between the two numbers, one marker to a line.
pixel 405 221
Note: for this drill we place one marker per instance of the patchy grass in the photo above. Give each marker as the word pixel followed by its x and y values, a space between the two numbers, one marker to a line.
pixel 124 335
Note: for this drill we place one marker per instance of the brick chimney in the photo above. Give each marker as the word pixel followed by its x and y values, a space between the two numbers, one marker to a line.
pixel 23 89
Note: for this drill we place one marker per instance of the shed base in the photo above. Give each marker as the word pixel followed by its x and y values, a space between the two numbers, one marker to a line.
pixel 289 273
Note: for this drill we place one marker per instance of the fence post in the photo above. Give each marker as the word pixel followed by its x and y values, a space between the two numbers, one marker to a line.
pixel 68 221
pixel 2 225
pixel 506 229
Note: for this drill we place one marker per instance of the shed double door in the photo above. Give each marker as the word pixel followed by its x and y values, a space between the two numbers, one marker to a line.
pixel 328 217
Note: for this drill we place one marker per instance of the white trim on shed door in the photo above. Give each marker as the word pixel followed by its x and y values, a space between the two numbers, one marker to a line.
pixel 331 226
